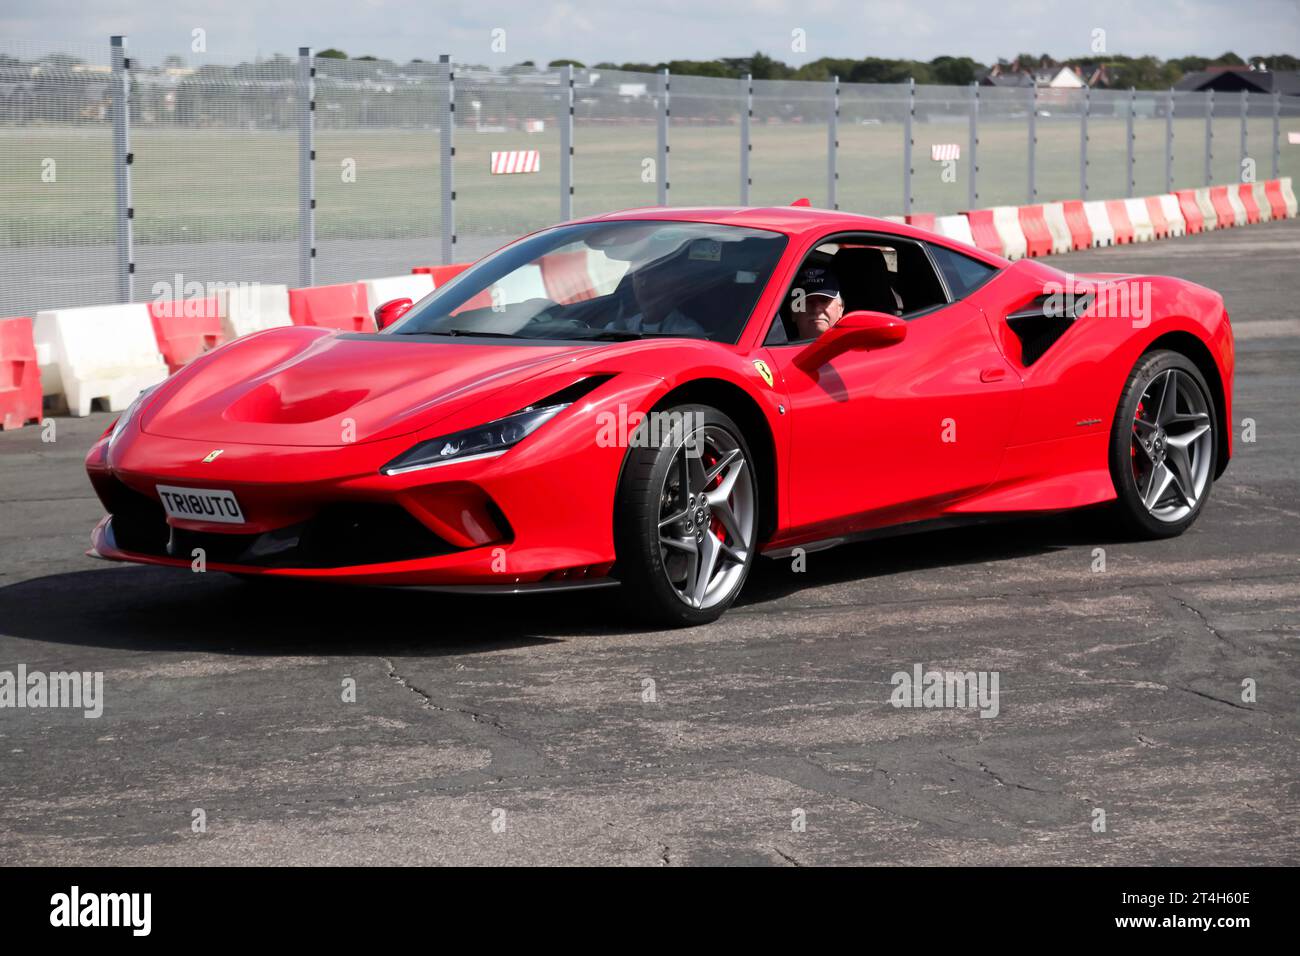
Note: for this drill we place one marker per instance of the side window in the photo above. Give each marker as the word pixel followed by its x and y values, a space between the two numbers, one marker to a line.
pixel 962 273
pixel 868 272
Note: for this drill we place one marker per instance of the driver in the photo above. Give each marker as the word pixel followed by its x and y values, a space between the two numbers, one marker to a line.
pixel 654 304
pixel 822 304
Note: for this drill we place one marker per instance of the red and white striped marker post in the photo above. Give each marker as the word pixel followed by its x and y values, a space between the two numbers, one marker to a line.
pixel 512 161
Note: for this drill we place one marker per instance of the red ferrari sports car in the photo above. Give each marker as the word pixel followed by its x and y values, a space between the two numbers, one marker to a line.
pixel 653 398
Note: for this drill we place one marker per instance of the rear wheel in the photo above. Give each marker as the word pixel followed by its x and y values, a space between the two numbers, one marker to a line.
pixel 1164 444
pixel 686 518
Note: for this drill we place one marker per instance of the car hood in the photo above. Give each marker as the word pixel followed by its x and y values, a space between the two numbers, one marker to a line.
pixel 315 387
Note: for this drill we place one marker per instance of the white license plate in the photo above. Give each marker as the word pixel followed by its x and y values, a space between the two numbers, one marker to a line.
pixel 201 504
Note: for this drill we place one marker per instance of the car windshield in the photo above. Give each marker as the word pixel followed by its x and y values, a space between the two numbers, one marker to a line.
pixel 608 281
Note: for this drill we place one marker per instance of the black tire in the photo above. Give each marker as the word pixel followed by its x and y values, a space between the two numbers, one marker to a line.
pixel 1126 460
pixel 642 494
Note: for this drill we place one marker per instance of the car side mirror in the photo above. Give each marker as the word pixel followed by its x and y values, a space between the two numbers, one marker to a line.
pixel 391 311
pixel 858 330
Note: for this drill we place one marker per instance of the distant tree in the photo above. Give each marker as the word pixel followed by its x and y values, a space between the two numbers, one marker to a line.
pixel 369 58
pixel 1228 59
pixel 576 64
pixel 1278 61
pixel 955 70
pixel 699 68
pixel 332 54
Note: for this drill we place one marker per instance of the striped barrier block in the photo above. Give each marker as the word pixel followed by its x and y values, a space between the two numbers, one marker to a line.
pixel 1173 212
pixel 1209 214
pixel 252 307
pixel 1054 216
pixel 1246 196
pixel 185 329
pixel 954 227
pixel 20 377
pixel 1276 202
pixel 922 220
pixel 1224 215
pixel 1077 219
pixel 1103 233
pixel 1006 220
pixel 1288 194
pixel 1261 201
pixel 1032 225
pixel 984 233
pixel 104 353
pixel 1139 219
pixel 1235 203
pixel 1193 215
pixel 1120 225
pixel 1156 213
pixel 341 307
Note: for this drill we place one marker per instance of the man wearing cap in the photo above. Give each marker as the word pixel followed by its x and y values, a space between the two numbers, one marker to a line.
pixel 820 306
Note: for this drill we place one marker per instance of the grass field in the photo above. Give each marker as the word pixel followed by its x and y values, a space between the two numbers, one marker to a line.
pixel 234 188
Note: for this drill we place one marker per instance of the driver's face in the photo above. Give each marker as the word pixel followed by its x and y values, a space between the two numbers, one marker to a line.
pixel 819 314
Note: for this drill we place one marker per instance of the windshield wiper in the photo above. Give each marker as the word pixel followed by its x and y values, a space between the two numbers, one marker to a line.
pixel 627 335
pixel 496 335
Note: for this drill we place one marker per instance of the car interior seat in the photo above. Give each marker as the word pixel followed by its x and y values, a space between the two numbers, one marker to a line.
pixel 866 282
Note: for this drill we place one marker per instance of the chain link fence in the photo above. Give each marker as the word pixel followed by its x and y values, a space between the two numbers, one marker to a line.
pixel 133 175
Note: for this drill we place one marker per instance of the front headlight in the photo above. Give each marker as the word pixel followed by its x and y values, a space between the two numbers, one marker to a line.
pixel 484 441
pixel 125 418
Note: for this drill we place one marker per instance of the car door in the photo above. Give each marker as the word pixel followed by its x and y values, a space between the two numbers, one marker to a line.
pixel 897 434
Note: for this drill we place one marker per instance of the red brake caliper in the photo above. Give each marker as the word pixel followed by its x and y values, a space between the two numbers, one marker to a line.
pixel 715 525
pixel 1132 451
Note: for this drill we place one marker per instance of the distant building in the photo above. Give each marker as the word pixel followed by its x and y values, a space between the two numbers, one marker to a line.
pixel 1048 74
pixel 1234 79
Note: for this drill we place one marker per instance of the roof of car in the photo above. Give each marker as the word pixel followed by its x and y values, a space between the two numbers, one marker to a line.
pixel 790 220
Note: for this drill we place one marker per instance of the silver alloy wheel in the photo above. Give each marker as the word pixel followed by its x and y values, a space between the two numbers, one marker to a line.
pixel 1172 445
pixel 706 517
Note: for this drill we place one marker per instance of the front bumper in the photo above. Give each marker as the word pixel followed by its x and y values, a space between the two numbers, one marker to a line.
pixel 539 515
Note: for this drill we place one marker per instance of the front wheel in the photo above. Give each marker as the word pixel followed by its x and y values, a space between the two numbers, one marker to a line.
pixel 686 516
pixel 1164 444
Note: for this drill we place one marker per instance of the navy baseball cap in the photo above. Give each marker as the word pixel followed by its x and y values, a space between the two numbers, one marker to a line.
pixel 816 280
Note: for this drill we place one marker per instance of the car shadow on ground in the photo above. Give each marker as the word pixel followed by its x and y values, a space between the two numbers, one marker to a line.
pixel 162 609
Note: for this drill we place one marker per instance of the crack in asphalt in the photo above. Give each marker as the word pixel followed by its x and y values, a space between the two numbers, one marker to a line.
pixel 509 752
pixel 428 701
pixel 785 856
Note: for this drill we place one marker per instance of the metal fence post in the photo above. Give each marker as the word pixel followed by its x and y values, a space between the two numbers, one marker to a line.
pixel 746 147
pixel 566 143
pixel 1032 191
pixel 1209 137
pixel 664 113
pixel 1083 142
pixel 907 146
pixel 1169 143
pixel 306 167
pixel 122 159
pixel 1131 137
pixel 833 146
pixel 447 164
pixel 973 165
pixel 1277 134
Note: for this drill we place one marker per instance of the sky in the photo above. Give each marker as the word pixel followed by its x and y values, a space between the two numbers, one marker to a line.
pixel 592 31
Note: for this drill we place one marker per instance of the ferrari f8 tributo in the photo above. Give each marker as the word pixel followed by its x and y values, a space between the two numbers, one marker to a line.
pixel 641 399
